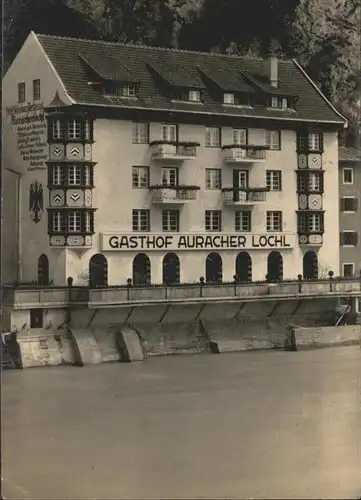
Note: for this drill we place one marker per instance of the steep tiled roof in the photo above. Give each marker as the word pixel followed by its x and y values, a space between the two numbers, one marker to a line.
pixel 349 154
pixel 64 54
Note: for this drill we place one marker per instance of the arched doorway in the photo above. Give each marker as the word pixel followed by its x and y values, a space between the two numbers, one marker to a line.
pixel 98 271
pixel 171 269
pixel 214 271
pixel 244 267
pixel 141 269
pixel 310 266
pixel 275 266
pixel 43 270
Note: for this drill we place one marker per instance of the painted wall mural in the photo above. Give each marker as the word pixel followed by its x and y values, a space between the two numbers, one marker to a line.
pixel 30 124
pixel 36 201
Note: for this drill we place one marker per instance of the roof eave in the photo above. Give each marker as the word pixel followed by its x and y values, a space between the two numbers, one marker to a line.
pixel 344 120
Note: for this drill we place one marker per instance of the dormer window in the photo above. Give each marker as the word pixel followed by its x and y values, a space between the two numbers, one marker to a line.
pixel 189 95
pixel 120 90
pixel 279 102
pixel 228 98
pixel 236 99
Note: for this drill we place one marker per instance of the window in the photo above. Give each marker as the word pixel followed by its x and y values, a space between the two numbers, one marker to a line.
pixel 169 132
pixel 240 178
pixel 21 92
pixel 36 90
pixel 349 238
pixel 213 178
pixel 310 222
pixel 74 222
pixel 273 139
pixel 74 175
pixel 347 174
pixel 74 129
pixel 58 222
pixel 348 270
pixel 315 223
pixel 239 136
pixel 140 133
pixel 314 141
pixel 213 220
pixel 58 175
pixel 314 181
pixel 141 220
pixel 213 137
pixel 170 220
pixel 87 130
pixel 36 318
pixel 279 102
pixel 348 204
pixel 274 180
pixel 140 177
pixel 169 176
pixel 274 221
pixel 242 220
pixel 58 130
pixel 128 91
pixel 228 98
pixel 113 89
pixel 87 176
pixel 194 96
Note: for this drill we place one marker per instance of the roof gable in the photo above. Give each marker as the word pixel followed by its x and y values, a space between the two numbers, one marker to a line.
pixel 182 68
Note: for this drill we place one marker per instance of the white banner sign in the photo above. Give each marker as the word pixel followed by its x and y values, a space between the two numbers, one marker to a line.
pixel 209 241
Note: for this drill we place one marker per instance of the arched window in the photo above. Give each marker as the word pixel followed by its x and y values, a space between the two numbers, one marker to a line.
pixel 310 266
pixel 43 270
pixel 98 271
pixel 141 269
pixel 244 267
pixel 275 266
pixel 171 269
pixel 214 268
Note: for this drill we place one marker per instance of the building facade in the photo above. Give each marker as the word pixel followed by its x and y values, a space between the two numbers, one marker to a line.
pixel 165 166
pixel 350 206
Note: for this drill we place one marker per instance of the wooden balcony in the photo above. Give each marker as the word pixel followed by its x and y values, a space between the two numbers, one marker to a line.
pixel 174 150
pixel 244 197
pixel 173 195
pixel 234 153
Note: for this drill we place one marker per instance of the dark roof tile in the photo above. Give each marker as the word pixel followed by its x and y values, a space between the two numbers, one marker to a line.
pixel 349 154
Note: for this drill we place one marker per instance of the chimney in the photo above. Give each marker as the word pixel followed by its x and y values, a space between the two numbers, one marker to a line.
pixel 272 69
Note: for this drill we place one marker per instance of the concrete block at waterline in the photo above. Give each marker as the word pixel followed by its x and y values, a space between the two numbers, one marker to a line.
pixel 328 336
pixel 41 349
pixel 86 349
pixel 245 334
pixel 107 343
pixel 161 339
pixel 128 344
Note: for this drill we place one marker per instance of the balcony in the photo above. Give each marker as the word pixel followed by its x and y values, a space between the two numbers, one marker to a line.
pixel 244 154
pixel 245 196
pixel 173 194
pixel 174 150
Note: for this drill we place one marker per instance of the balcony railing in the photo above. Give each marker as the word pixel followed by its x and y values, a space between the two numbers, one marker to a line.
pixel 234 153
pixel 173 150
pixel 239 196
pixel 51 297
pixel 173 194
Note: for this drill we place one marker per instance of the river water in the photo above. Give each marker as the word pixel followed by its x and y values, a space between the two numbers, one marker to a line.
pixel 241 425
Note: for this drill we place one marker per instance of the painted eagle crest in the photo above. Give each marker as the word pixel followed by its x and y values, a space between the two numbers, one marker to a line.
pixel 36 201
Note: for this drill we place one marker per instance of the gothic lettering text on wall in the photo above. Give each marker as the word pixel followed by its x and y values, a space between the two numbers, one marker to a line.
pixel 30 124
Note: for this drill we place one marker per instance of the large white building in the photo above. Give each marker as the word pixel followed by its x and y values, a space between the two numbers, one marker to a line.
pixel 164 165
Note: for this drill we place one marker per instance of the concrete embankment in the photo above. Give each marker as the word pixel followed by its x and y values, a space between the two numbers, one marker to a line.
pixel 133 333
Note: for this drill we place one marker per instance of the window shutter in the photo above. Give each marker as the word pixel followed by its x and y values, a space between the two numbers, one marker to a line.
pixel 280 179
pixel 321 142
pixel 355 204
pixel 354 238
pixel 342 204
pixel 321 181
pixel 50 221
pixel 342 238
pixel 281 221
